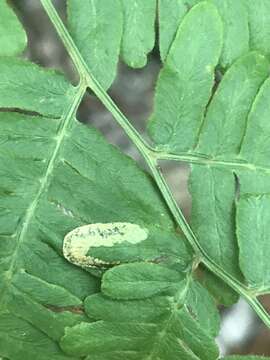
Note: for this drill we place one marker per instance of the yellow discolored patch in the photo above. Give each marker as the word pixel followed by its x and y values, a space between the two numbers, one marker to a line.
pixel 78 242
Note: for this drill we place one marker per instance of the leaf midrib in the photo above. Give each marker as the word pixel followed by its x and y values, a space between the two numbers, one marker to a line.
pixel 61 135
pixel 181 297
pixel 193 158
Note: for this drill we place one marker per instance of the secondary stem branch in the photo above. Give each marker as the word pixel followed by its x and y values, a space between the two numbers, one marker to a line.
pixel 234 164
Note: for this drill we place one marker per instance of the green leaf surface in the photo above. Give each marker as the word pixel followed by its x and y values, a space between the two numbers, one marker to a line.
pixel 225 130
pixel 229 135
pixel 202 306
pixel 257 120
pixel 106 340
pixel 253 218
pixel 259 16
pixel 27 86
pixel 184 87
pixel 139 31
pixel 96 27
pixel 40 292
pixel 139 281
pixel 213 214
pixel 58 175
pixel 140 306
pixel 20 340
pixel 12 35
pixel 100 307
pixel 41 161
pixel 226 118
pixel 164 327
pixel 221 292
pixel 235 20
pixel 171 13
pixel 245 357
pixel 246 21
pixel 234 16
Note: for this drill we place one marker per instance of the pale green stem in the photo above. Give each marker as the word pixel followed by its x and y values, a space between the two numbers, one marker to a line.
pixel 151 156
pixel 235 164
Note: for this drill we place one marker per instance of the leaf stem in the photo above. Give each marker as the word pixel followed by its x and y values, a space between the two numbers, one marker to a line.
pixel 199 251
pixel 85 74
pixel 195 158
pixel 151 157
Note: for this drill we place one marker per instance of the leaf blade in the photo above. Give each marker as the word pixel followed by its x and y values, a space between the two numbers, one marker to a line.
pixel 139 31
pixel 226 118
pixel 259 25
pixel 245 357
pixel 171 13
pixel 173 126
pixel 213 214
pixel 252 222
pixel 26 86
pixel 13 39
pixel 55 213
pixel 100 22
pixel 140 280
pixel 235 19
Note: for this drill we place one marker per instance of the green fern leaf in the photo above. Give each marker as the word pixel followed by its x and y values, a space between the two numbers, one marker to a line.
pixel 167 326
pixel 259 15
pixel 96 27
pixel 139 31
pixel 12 35
pixel 96 259
pixel 245 358
pixel 171 13
pixel 221 145
pixel 42 158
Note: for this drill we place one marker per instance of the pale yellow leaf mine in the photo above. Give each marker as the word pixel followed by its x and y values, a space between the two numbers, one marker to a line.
pixel 78 242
